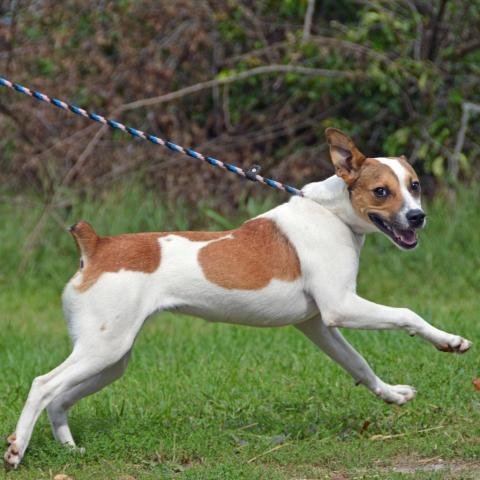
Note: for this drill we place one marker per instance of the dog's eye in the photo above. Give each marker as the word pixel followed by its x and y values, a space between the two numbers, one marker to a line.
pixel 415 187
pixel 381 192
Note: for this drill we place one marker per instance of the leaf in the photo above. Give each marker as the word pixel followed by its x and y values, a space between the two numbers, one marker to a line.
pixel 464 163
pixel 402 135
pixel 437 167
pixel 225 74
pixel 423 151
pixel 422 81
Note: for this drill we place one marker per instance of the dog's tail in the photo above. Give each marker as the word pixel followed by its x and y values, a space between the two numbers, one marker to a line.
pixel 86 238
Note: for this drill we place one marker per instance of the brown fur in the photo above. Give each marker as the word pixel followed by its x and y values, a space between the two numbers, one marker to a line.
pixel 346 157
pixel 135 252
pixel 257 253
pixel 376 174
pixel 86 238
pixel 200 236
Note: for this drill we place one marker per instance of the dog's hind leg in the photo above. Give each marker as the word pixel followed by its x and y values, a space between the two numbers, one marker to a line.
pixel 88 359
pixel 58 408
pixel 331 341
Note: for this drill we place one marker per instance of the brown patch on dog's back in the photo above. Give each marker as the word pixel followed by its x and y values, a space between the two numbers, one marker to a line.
pixel 376 174
pixel 200 236
pixel 256 253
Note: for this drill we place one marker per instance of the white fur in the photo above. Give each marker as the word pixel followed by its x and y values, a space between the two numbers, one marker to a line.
pixel 327 235
pixel 409 201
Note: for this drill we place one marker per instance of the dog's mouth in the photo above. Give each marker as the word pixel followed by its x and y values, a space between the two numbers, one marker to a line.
pixel 403 237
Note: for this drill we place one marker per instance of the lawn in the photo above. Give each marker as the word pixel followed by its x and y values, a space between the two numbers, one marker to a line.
pixel 207 401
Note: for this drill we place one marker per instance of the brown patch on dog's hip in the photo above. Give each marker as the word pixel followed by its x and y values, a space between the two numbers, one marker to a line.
pixel 135 252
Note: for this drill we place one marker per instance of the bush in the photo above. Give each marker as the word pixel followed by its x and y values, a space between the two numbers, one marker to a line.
pixel 395 75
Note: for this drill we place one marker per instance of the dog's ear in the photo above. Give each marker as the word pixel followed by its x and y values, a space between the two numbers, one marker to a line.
pixel 346 157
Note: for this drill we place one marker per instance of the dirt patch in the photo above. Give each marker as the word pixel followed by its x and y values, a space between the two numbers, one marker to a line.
pixel 437 464
pixel 451 469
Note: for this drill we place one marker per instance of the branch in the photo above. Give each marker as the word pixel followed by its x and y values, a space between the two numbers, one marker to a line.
pixel 453 160
pixel 12 35
pixel 417 46
pixel 329 42
pixel 307 25
pixel 256 25
pixel 433 47
pixel 50 206
pixel 198 87
pixel 466 48
pixel 82 158
pixel 8 113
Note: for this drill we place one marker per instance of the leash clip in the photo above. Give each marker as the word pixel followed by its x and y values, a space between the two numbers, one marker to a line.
pixel 252 172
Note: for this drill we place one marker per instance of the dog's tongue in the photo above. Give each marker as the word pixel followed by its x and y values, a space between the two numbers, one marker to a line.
pixel 408 236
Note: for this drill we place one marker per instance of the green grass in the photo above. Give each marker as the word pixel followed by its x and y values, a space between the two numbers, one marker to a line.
pixel 207 401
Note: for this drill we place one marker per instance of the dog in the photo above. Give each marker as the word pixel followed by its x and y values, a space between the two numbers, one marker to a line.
pixel 294 265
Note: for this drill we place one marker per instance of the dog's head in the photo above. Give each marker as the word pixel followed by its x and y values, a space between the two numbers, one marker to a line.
pixel 383 191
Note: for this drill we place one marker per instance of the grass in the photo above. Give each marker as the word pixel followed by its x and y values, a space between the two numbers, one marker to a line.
pixel 207 401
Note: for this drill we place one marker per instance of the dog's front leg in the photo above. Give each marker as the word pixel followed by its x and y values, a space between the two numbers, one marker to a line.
pixel 352 311
pixel 331 341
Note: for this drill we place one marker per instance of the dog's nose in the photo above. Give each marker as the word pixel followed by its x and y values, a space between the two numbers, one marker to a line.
pixel 415 218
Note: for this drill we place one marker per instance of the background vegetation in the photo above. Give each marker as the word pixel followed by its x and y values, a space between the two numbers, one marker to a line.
pixel 218 401
pixel 394 74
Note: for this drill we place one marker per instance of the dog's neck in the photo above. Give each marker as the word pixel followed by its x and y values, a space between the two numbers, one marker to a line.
pixel 333 194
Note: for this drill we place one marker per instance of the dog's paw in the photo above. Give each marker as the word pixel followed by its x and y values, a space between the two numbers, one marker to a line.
pixel 74 449
pixel 455 344
pixel 398 394
pixel 12 456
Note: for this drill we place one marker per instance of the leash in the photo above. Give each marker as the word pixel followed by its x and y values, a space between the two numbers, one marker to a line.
pixel 251 173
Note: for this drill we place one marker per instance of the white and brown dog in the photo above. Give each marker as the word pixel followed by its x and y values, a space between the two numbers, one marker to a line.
pixel 294 265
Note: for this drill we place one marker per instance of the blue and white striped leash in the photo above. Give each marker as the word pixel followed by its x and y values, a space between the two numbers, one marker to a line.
pixel 250 174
